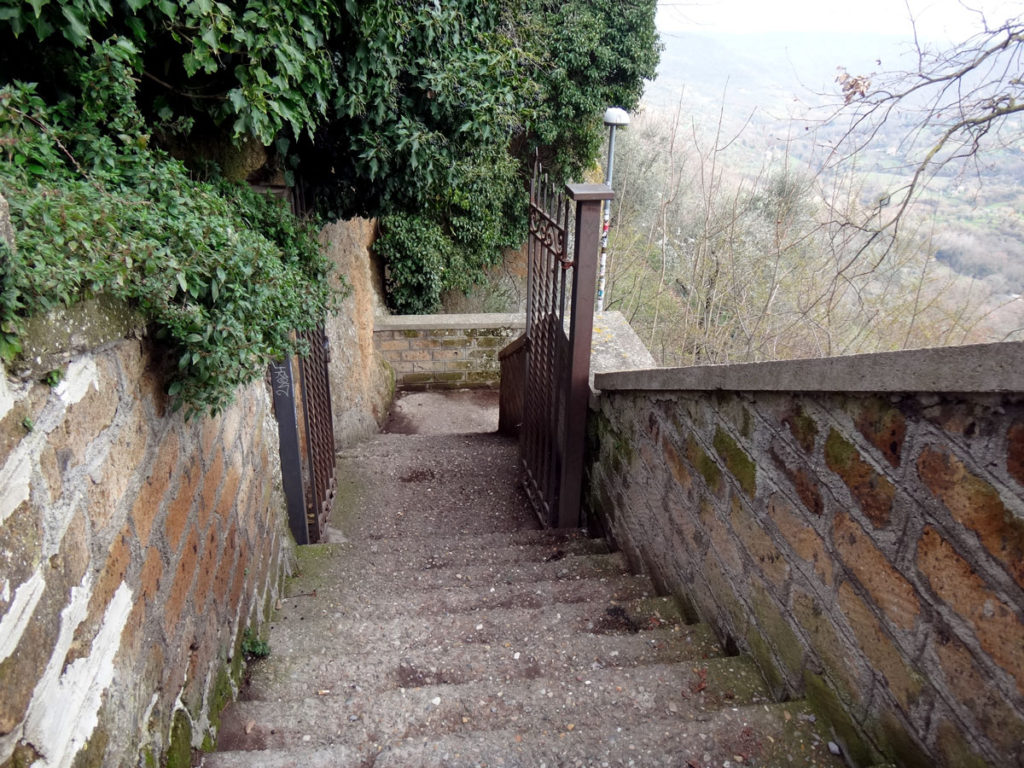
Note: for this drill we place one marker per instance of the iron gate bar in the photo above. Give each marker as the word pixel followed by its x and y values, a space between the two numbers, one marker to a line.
pixel 589 199
pixel 319 423
pixel 557 368
pixel 282 387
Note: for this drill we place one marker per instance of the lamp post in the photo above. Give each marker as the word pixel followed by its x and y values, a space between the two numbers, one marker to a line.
pixel 614 117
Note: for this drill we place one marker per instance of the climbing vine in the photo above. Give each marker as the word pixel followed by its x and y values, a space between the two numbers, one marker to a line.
pixel 119 118
pixel 225 274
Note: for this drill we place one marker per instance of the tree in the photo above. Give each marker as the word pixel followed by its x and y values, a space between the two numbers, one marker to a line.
pixel 426 114
pixel 953 108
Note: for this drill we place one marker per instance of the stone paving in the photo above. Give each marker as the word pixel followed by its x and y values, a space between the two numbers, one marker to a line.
pixel 441 627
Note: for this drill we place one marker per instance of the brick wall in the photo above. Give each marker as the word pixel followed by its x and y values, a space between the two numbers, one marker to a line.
pixel 856 524
pixel 135 548
pixel 446 351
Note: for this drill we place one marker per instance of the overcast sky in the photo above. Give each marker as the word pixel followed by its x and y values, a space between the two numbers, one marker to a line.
pixel 936 19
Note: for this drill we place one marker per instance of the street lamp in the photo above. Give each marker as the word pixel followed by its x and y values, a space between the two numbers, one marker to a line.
pixel 614 117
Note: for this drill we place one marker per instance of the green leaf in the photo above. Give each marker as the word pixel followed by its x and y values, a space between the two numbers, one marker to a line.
pixel 182 281
pixel 77 30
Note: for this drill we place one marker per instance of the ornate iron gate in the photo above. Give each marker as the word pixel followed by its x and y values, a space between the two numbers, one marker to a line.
pixel 556 389
pixel 302 404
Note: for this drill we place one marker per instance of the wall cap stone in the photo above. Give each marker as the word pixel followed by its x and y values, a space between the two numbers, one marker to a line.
pixel 449 322
pixel 973 368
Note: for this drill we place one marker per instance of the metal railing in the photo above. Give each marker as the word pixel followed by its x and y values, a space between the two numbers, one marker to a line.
pixel 555 385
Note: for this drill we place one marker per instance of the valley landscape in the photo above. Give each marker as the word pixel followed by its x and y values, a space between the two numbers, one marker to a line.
pixel 735 218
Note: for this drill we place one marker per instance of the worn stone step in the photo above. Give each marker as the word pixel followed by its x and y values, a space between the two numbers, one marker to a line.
pixel 334 756
pixel 346 578
pixel 369 719
pixel 765 736
pixel 352 565
pixel 464 597
pixel 444 544
pixel 366 630
pixel 287 675
pixel 396 485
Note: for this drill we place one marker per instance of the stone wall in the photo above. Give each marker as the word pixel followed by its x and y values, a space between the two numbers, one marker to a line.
pixel 446 351
pixel 857 524
pixel 135 549
pixel 362 383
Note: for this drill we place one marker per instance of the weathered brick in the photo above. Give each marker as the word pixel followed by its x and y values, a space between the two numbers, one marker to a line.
pixel 232 423
pixel 758 544
pixel 211 483
pixel 1015 452
pixel 872 492
pixel 229 493
pixel 445 354
pixel 115 568
pixel 227 563
pixel 179 511
pixel 803 427
pixel 884 427
pixel 885 658
pixel 150 576
pixel 419 355
pixel 816 622
pixel 724 543
pixel 739 464
pixel 424 342
pixel 206 569
pixel 704 465
pixel 85 420
pixel 998 626
pixel 976 505
pixel 184 575
pixel 774 625
pixel 209 437
pixel 112 479
pixel 804 483
pixel 887 587
pixel 21 547
pixel 973 689
pixel 147 503
pixel 20 672
pixel 48 465
pixel 802 537
pixel 680 472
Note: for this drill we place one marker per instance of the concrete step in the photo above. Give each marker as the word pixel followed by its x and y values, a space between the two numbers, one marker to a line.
pixel 286 675
pixel 766 736
pixel 419 485
pixel 366 630
pixel 334 756
pixel 441 550
pixel 341 577
pixel 414 599
pixel 371 719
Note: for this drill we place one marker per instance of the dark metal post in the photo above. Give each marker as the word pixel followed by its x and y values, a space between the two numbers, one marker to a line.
pixel 589 199
pixel 288 436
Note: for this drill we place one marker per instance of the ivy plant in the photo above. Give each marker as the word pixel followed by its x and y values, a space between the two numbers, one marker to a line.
pixel 226 275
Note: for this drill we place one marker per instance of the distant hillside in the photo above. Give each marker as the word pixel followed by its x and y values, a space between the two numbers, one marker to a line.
pixel 773 73
pixel 780 85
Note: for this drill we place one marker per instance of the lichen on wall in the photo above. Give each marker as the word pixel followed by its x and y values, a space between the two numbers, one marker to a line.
pixel 867 549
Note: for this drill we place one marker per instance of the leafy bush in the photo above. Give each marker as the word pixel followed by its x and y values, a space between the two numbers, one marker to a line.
pixel 412 110
pixel 225 274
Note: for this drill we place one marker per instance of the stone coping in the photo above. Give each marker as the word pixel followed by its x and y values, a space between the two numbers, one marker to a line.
pixel 442 322
pixel 973 368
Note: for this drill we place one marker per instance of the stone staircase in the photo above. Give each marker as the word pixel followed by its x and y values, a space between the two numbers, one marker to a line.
pixel 441 628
